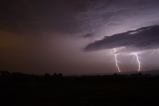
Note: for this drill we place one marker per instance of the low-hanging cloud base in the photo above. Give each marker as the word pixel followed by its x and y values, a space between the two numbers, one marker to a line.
pixel 144 38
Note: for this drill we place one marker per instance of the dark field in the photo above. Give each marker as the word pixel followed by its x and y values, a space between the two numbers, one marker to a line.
pixel 116 90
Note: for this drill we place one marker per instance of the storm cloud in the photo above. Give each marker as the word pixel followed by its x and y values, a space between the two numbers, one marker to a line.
pixel 77 17
pixel 49 35
pixel 135 40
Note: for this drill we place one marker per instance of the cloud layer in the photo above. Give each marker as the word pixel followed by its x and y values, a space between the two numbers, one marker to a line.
pixel 70 16
pixel 135 40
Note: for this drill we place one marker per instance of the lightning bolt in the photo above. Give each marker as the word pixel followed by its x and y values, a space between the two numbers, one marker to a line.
pixel 116 59
pixel 138 61
pixel 116 54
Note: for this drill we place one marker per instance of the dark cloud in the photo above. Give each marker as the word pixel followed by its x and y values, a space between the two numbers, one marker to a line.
pixel 48 15
pixel 89 35
pixel 135 40
pixel 69 16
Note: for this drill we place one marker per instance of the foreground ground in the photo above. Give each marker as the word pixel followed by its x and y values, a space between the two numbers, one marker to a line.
pixel 116 90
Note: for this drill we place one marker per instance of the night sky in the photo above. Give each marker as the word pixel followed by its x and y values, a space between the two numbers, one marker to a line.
pixel 78 36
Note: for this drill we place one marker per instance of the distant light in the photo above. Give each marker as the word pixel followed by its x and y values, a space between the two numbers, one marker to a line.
pixel 116 59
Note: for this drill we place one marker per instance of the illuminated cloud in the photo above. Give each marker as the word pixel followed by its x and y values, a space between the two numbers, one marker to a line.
pixel 135 40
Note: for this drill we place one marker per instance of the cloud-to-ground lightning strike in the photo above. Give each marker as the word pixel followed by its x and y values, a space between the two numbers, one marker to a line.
pixel 115 53
pixel 138 61
pixel 116 59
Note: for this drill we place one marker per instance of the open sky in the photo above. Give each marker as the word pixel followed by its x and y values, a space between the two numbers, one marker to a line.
pixel 78 36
